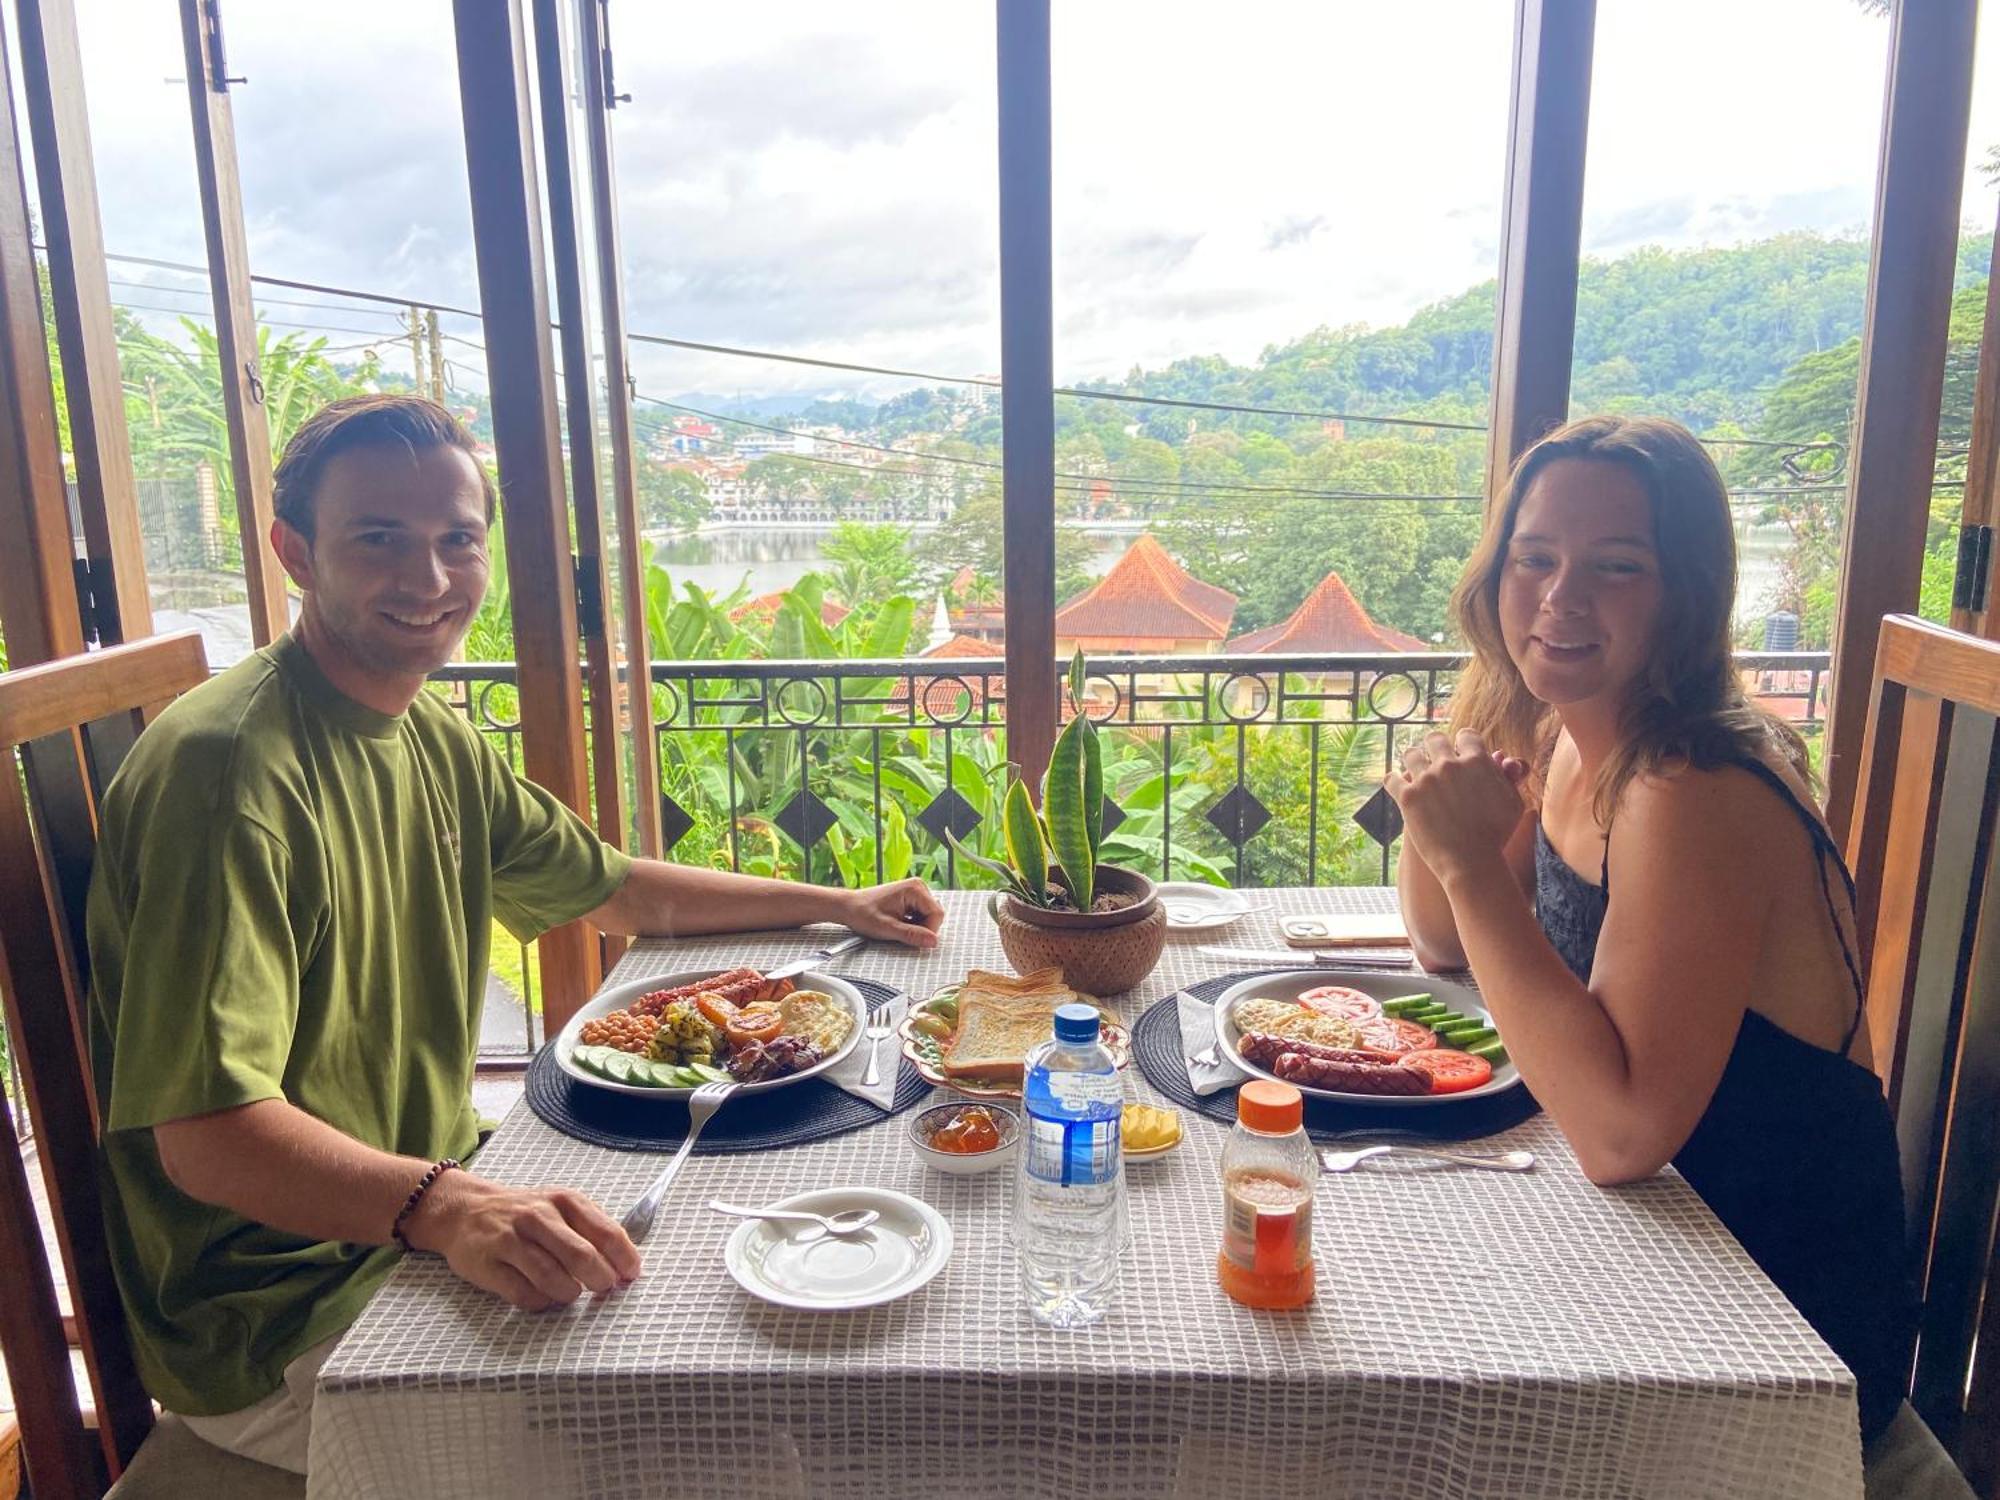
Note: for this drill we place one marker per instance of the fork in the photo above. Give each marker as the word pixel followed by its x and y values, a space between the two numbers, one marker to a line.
pixel 1505 1161
pixel 877 1033
pixel 702 1105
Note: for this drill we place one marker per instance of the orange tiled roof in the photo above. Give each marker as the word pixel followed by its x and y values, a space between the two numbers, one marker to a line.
pixel 1330 619
pixel 963 646
pixel 1148 595
pixel 766 606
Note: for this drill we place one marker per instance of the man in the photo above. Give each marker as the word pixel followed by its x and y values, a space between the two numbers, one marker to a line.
pixel 297 874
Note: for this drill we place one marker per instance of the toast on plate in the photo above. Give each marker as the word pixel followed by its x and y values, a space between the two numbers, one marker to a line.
pixel 1000 1020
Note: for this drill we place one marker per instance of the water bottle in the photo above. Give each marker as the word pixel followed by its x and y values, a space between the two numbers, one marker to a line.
pixel 1069 1202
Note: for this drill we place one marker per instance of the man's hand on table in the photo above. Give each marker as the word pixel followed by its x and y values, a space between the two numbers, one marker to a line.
pixel 903 911
pixel 536 1247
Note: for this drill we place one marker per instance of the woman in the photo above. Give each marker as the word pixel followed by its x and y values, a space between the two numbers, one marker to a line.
pixel 1710 1015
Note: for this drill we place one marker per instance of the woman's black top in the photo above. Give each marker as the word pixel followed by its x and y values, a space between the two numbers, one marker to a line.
pixel 1796 1152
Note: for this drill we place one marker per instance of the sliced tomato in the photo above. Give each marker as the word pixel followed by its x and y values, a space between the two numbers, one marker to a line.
pixel 1392 1036
pixel 1449 1072
pixel 1340 1001
pixel 716 1009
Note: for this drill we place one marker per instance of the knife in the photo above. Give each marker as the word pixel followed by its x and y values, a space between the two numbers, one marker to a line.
pixel 1292 958
pixel 814 960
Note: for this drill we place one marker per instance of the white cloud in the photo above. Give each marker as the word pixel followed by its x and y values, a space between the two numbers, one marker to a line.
pixel 822 180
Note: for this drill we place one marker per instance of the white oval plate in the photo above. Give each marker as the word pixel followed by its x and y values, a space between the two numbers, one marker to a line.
pixel 891 1258
pixel 1194 907
pixel 1294 982
pixel 618 996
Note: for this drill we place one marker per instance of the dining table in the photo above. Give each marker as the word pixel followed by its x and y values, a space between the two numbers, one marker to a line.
pixel 1474 1333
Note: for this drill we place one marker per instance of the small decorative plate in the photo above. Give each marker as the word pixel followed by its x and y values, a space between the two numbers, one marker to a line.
pixel 925 1049
pixel 1194 907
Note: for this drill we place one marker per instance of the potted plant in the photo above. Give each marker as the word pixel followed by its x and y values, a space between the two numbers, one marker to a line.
pixel 1061 905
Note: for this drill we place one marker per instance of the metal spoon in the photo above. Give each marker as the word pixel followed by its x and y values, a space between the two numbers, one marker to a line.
pixel 849 1221
pixel 1504 1161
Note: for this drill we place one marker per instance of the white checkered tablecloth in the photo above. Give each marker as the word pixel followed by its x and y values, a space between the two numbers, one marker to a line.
pixel 1475 1334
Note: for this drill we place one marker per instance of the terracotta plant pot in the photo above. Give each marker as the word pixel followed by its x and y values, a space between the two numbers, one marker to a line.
pixel 1099 953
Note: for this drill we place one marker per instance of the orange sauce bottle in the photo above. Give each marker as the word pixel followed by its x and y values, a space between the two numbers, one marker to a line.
pixel 1268 1173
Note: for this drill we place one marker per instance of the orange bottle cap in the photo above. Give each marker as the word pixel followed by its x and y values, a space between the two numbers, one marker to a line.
pixel 1266 1105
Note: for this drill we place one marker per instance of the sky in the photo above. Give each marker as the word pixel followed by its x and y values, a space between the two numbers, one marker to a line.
pixel 821 180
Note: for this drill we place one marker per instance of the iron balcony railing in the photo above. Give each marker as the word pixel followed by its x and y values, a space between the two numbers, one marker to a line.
pixel 1243 770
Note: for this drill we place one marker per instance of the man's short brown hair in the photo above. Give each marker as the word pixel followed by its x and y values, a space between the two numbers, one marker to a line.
pixel 364 422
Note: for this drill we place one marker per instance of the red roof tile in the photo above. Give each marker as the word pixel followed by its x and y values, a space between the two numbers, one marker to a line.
pixel 1330 619
pixel 766 607
pixel 1148 595
pixel 964 646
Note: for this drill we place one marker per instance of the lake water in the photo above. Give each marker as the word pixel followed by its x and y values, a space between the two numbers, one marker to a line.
pixel 773 560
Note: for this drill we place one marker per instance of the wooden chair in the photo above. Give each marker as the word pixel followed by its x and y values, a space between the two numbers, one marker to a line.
pixel 65 729
pixel 1928 908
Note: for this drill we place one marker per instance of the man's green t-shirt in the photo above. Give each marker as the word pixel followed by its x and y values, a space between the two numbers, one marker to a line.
pixel 293 899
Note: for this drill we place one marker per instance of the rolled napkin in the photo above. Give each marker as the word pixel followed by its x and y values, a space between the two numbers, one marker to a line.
pixel 846 1073
pixel 1197 1033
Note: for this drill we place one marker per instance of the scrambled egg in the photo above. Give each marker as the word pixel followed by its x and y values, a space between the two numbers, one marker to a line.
pixel 1289 1018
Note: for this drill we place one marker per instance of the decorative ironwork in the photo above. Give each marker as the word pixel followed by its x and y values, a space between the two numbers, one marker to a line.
pixel 1380 818
pixel 806 819
pixel 1238 816
pixel 675 821
pixel 1113 816
pixel 949 810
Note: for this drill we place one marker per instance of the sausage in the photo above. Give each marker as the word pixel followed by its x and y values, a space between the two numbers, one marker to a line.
pixel 1369 1077
pixel 652 1003
pixel 1264 1049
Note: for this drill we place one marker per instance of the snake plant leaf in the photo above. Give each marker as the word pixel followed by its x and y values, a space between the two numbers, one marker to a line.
pixel 1076 677
pixel 1062 806
pixel 1093 785
pixel 1014 884
pixel 1024 842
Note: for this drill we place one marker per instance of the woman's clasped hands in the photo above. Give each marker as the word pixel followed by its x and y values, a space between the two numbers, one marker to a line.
pixel 1460 801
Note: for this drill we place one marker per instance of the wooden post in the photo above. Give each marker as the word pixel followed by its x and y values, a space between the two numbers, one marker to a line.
pixel 59 122
pixel 1974 607
pixel 1911 264
pixel 235 317
pixel 594 45
pixel 507 234
pixel 38 608
pixel 607 693
pixel 1541 230
pixel 1027 385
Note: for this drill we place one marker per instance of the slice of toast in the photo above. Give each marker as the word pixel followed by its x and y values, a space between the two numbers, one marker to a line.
pixel 994 1038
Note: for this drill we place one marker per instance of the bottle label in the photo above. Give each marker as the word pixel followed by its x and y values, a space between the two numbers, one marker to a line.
pixel 1267 1222
pixel 1083 1093
pixel 1075 1153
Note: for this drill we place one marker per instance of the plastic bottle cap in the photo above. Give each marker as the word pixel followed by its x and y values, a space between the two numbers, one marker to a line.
pixel 1077 1023
pixel 1266 1105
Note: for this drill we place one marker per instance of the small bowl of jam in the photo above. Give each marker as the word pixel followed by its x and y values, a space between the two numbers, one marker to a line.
pixel 961 1139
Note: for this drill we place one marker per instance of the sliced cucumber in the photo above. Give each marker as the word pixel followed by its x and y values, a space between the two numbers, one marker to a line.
pixel 1449 1018
pixel 1465 1041
pixel 623 1067
pixel 706 1073
pixel 1460 1028
pixel 1492 1051
pixel 1402 1003
pixel 584 1055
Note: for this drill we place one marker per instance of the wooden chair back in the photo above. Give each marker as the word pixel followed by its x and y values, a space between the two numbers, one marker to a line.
pixel 1928 908
pixel 65 729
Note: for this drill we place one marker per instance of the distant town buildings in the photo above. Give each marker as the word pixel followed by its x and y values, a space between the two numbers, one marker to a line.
pixel 1147 605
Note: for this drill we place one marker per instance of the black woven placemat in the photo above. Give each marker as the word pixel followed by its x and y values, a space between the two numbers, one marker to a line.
pixel 1156 1047
pixel 807 1111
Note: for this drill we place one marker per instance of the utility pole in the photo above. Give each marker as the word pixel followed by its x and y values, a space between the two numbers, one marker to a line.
pixel 437 355
pixel 417 347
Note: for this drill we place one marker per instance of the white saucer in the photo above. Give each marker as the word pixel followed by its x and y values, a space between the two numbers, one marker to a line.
pixel 1194 907
pixel 891 1258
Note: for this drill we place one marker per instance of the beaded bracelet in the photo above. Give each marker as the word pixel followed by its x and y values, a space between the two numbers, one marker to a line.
pixel 417 1196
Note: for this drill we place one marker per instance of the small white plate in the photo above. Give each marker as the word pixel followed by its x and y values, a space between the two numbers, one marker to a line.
pixel 1194 907
pixel 618 996
pixel 895 1255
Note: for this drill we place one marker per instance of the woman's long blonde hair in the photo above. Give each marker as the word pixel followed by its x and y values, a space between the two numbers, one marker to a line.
pixel 1688 706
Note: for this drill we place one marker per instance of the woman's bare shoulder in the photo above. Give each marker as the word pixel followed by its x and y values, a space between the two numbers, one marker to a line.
pixel 1722 804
